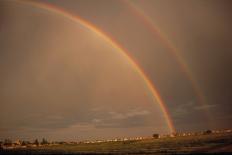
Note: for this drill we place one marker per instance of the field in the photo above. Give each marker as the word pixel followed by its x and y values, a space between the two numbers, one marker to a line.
pixel 209 144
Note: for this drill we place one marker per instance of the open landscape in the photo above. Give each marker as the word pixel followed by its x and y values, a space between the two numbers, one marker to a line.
pixel 115 77
pixel 193 143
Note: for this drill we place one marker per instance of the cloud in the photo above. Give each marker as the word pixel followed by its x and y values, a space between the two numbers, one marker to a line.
pixel 190 107
pixel 133 113
pixel 95 120
pixel 132 118
pixel 204 107
pixel 183 109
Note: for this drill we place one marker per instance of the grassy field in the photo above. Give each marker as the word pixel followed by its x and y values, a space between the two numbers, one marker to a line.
pixel 210 144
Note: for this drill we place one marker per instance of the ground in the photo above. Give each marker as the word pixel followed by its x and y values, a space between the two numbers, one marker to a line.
pixel 209 144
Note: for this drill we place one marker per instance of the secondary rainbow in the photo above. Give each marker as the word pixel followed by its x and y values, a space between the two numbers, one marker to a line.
pixel 156 31
pixel 155 95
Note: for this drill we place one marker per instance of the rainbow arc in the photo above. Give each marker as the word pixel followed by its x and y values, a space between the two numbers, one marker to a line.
pixel 155 95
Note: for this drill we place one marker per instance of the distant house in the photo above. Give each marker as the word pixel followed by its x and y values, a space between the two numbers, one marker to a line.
pixel 17 142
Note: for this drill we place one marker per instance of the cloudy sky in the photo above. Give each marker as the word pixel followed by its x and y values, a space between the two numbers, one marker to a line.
pixel 62 81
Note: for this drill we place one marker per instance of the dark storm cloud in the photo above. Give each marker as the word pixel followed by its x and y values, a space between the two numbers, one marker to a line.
pixel 184 110
pixel 57 77
pixel 184 27
pixel 201 31
pixel 51 122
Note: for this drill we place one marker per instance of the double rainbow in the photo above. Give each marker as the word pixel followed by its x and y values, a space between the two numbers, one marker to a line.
pixel 157 32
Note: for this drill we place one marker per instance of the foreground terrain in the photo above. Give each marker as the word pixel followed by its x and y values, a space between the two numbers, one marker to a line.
pixel 220 143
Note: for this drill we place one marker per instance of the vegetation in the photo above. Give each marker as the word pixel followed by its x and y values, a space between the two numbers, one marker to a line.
pixel 7 142
pixel 36 142
pixel 155 135
pixel 210 143
pixel 207 132
pixel 44 142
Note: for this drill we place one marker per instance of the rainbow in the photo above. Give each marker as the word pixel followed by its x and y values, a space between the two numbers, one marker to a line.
pixel 156 31
pixel 155 95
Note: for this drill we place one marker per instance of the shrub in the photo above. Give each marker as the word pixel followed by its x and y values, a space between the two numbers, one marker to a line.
pixel 156 136
pixel 207 132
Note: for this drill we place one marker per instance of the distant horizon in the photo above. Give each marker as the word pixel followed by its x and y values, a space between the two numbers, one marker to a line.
pixel 112 138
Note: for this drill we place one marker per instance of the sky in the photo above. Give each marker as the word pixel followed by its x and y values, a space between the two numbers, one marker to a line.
pixel 61 80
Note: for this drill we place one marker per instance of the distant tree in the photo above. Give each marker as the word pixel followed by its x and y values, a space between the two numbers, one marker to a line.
pixel 156 136
pixel 1 147
pixel 23 143
pixel 61 142
pixel 207 132
pixel 44 141
pixel 36 142
pixel 7 142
